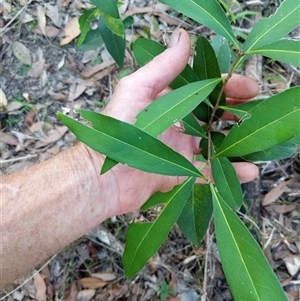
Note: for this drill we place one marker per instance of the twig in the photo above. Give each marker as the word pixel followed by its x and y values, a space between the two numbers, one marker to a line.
pixel 18 159
pixel 28 279
pixel 3 30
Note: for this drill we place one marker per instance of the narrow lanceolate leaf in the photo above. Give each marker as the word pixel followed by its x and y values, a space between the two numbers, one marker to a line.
pixel 227 182
pixel 114 43
pixel 172 107
pixel 143 240
pixel 192 126
pixel 129 145
pixel 84 23
pixel 247 271
pixel 295 140
pixel 272 122
pixel 146 50
pixel 275 27
pixel 206 66
pixel 107 6
pixel 222 51
pixel 196 214
pixel 108 165
pixel 208 13
pixel 287 51
pixel 278 152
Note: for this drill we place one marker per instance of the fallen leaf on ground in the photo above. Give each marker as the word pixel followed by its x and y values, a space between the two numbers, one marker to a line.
pixel 57 96
pixel 72 292
pixel 54 134
pixel 22 53
pixel 9 139
pixel 105 276
pixel 40 287
pixel 276 192
pixel 292 263
pixel 72 31
pixel 40 12
pixel 30 117
pixel 3 101
pixel 89 72
pixel 280 208
pixel 37 69
pixel 51 32
pixel 14 106
pixel 85 295
pixel 92 283
pixel 53 13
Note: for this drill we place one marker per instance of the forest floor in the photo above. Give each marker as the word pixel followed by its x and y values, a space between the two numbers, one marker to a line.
pixel 40 77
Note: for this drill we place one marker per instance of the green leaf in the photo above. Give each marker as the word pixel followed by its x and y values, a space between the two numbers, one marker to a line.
pixel 146 50
pixel 208 13
pixel 275 27
pixel 285 51
pixel 192 126
pixel 272 122
pixel 227 182
pixel 108 7
pixel 278 152
pixel 247 271
pixel 115 25
pixel 143 240
pixel 129 145
pixel 196 214
pixel 108 164
pixel 128 22
pixel 172 107
pixel 206 66
pixel 114 43
pixel 84 23
pixel 222 51
pixel 235 110
pixel 92 41
pixel 216 138
pixel 295 140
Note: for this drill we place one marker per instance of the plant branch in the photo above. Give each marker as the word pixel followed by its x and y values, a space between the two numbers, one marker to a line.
pixel 240 54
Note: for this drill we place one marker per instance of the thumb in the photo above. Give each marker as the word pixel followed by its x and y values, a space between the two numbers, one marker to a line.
pixel 160 72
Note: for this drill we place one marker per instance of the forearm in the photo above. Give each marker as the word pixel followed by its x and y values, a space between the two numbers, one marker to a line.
pixel 47 207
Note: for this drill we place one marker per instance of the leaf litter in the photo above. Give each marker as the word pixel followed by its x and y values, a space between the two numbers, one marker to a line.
pixel 32 129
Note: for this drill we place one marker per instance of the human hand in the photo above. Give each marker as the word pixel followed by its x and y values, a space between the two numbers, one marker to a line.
pixel 137 91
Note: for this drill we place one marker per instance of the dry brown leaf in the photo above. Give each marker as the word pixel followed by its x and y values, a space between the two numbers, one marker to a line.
pixel 104 276
pixel 54 134
pixel 3 101
pixel 78 91
pixel 276 192
pixel 53 13
pixel 89 72
pixel 30 117
pixel 40 287
pixel 281 208
pixel 37 69
pixel 51 32
pixel 40 12
pixel 57 96
pixel 22 53
pixel 72 31
pixel 9 139
pixel 159 8
pixel 85 295
pixel 292 263
pixel 117 291
pixel 72 292
pixel 172 298
pixel 92 283
pixel 14 106
pixel 23 2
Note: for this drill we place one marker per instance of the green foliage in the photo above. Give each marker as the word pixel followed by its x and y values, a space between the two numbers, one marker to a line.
pixel 110 29
pixel 267 130
pixel 164 291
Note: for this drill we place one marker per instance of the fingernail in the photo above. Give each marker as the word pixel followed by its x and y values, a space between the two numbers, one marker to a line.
pixel 175 37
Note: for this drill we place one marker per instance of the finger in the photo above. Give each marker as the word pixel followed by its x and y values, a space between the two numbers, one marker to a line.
pixel 241 87
pixel 160 72
pixel 246 172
